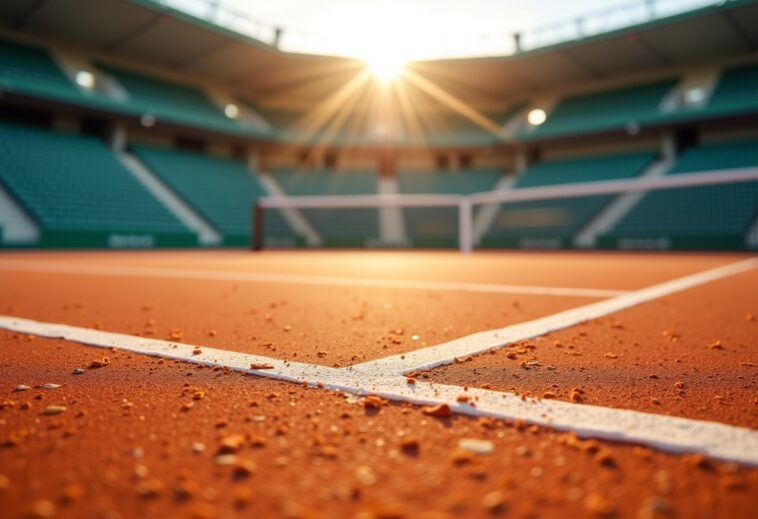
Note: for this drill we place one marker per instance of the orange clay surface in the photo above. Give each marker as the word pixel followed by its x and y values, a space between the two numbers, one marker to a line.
pixel 691 354
pixel 335 326
pixel 620 271
pixel 140 437
pixel 127 445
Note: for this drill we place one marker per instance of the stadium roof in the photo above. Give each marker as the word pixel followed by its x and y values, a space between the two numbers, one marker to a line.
pixel 156 35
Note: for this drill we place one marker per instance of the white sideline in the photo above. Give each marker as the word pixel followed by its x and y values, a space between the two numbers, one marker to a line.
pixel 294 279
pixel 446 353
pixel 666 433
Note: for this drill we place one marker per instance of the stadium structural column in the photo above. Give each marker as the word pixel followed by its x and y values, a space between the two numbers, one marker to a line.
pixel 258 226
pixel 465 225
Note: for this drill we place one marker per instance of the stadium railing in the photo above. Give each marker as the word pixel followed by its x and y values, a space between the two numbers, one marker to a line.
pixel 716 209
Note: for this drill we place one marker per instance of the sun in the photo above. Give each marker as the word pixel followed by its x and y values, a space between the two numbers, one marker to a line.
pixel 385 67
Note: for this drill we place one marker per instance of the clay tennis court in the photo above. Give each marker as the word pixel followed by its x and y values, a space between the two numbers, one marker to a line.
pixel 378 384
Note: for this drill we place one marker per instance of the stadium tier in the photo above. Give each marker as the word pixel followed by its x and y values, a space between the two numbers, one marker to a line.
pixel 606 110
pixel 737 89
pixel 336 227
pixel 80 195
pixel 170 101
pixel 223 191
pixel 438 226
pixel 712 217
pixel 30 70
pixel 554 223
pixel 179 85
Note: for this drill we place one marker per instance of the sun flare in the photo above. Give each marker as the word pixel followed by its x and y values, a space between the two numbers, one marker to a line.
pixel 386 67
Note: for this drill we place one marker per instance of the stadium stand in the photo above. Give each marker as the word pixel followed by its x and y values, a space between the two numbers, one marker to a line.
pixel 30 70
pixel 80 194
pixel 170 101
pixel 223 191
pixel 438 226
pixel 337 227
pixel 607 110
pixel 710 217
pixel 553 223
pixel 737 89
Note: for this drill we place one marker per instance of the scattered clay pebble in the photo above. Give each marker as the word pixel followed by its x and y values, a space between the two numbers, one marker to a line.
pixel 198 447
pixel 22 387
pixel 244 468
pixel 476 446
pixel 261 366
pixel 78 371
pixel 494 501
pixel 610 355
pixel 462 399
pixel 716 345
pixel 410 445
pixel 373 402
pixel 410 380
pixel 150 488
pixel 231 443
pixel 548 394
pixel 54 409
pixel 510 355
pixel 225 460
pixel 599 506
pixel 43 508
pixel 197 351
pixel 439 411
pixel 50 385
pixel 95 364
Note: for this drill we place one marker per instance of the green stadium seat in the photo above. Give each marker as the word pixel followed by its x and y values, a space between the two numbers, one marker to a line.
pixel 169 101
pixel 737 88
pixel 601 111
pixel 715 216
pixel 74 184
pixel 337 227
pixel 222 190
pixel 554 223
pixel 30 70
pixel 438 226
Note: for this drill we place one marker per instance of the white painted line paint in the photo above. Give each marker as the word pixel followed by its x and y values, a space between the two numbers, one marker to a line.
pixel 281 369
pixel 665 433
pixel 446 353
pixel 294 279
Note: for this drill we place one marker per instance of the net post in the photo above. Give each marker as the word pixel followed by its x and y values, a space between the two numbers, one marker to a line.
pixel 258 226
pixel 465 226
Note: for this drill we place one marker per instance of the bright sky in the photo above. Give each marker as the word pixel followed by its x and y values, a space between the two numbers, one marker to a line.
pixel 435 28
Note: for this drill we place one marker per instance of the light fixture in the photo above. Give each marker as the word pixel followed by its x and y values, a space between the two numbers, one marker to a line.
pixel 232 111
pixel 536 116
pixel 85 79
pixel 147 120
pixel 694 95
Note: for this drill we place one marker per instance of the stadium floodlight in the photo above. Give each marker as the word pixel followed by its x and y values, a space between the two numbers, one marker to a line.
pixel 147 120
pixel 232 111
pixel 694 95
pixel 85 79
pixel 385 67
pixel 536 116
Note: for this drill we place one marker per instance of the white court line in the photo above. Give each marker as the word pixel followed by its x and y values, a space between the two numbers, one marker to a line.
pixel 295 279
pixel 446 353
pixel 665 433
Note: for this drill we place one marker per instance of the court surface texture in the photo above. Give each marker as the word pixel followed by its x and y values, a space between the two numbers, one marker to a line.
pixel 378 384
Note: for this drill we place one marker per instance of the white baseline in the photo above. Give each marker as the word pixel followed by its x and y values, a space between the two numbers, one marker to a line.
pixel 295 279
